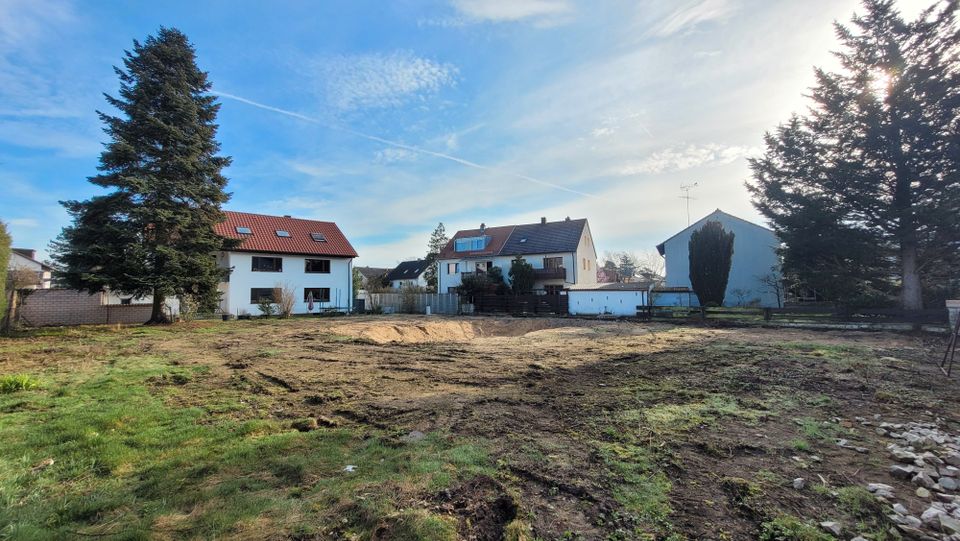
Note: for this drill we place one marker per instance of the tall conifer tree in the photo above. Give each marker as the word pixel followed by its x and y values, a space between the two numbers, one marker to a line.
pixel 711 256
pixel 152 232
pixel 876 161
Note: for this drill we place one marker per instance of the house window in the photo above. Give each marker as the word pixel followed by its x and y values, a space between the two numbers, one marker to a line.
pixel 267 264
pixel 258 294
pixel 282 233
pixel 244 230
pixel 553 290
pixel 318 237
pixel 127 301
pixel 469 244
pixel 553 262
pixel 317 265
pixel 320 294
pixel 453 268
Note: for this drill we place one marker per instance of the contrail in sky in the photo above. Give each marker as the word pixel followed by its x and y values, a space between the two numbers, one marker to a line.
pixel 395 144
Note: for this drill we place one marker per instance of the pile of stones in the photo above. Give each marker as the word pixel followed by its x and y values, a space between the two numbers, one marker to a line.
pixel 930 459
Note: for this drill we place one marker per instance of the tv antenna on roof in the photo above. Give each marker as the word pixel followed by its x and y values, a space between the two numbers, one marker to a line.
pixel 685 188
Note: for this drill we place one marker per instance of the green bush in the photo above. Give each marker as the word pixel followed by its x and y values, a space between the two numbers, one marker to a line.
pixel 787 528
pixel 17 382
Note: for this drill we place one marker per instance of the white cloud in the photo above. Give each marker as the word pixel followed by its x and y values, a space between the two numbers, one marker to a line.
pixel 540 12
pixel 23 222
pixel 392 155
pixel 692 14
pixel 373 80
pixel 683 158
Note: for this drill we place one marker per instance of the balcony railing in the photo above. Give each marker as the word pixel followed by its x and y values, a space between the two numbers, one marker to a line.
pixel 550 274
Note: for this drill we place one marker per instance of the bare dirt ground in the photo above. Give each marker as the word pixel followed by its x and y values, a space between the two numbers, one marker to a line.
pixel 606 430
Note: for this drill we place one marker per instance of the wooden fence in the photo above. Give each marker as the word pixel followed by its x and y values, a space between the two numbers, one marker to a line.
pixel 414 303
pixel 800 314
pixel 521 304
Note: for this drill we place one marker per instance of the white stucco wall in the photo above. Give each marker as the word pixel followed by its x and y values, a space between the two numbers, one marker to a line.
pixel 586 251
pixel 420 281
pixel 618 303
pixel 754 255
pixel 18 261
pixel 236 299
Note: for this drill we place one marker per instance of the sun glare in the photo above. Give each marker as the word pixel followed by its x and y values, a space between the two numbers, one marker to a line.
pixel 880 84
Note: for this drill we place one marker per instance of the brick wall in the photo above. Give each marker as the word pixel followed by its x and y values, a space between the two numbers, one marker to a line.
pixel 49 307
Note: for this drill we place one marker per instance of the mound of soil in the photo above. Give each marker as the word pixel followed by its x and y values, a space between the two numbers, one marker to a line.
pixel 421 330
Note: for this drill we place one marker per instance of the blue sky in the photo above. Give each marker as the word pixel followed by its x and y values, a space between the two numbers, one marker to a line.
pixel 388 117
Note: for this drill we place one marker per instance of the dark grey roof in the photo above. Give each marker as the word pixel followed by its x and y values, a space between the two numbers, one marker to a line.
pixel 544 238
pixel 372 273
pixel 408 270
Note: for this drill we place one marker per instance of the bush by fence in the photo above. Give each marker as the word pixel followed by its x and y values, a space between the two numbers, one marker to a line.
pixel 416 303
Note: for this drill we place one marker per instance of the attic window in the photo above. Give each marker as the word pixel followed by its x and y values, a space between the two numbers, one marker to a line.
pixel 524 239
pixel 244 230
pixel 318 237
pixel 282 233
pixel 468 244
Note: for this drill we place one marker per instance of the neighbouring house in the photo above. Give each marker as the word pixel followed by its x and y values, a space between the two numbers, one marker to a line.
pixel 408 274
pixel 26 259
pixel 312 258
pixel 754 271
pixel 372 277
pixel 562 254
pixel 614 299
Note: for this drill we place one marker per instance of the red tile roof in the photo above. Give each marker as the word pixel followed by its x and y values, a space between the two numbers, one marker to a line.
pixel 264 235
pixel 498 236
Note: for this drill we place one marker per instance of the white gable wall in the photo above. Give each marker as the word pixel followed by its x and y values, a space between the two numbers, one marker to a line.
pixel 754 255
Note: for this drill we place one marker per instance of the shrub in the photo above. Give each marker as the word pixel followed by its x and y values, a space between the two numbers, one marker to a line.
pixel 266 307
pixel 18 382
pixel 408 298
pixel 283 294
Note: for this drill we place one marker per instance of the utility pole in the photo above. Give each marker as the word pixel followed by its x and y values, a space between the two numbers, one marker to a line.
pixel 685 188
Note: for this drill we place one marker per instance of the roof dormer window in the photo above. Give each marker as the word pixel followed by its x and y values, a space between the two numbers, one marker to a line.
pixel 282 233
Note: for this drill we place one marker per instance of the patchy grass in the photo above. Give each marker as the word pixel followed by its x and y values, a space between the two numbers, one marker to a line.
pixel 787 528
pixel 116 447
pixel 18 382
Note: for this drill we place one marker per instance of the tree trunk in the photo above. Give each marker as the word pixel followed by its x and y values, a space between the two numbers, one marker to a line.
pixel 911 293
pixel 10 316
pixel 157 317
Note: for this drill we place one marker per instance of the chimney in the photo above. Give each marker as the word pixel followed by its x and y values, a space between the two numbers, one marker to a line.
pixel 483 228
pixel 543 220
pixel 568 218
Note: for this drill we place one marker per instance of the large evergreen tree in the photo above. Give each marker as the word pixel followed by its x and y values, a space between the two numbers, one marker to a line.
pixel 865 189
pixel 152 232
pixel 711 255
pixel 438 240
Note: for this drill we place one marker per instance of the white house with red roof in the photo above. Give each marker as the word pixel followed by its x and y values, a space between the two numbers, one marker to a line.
pixel 311 257
pixel 561 253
